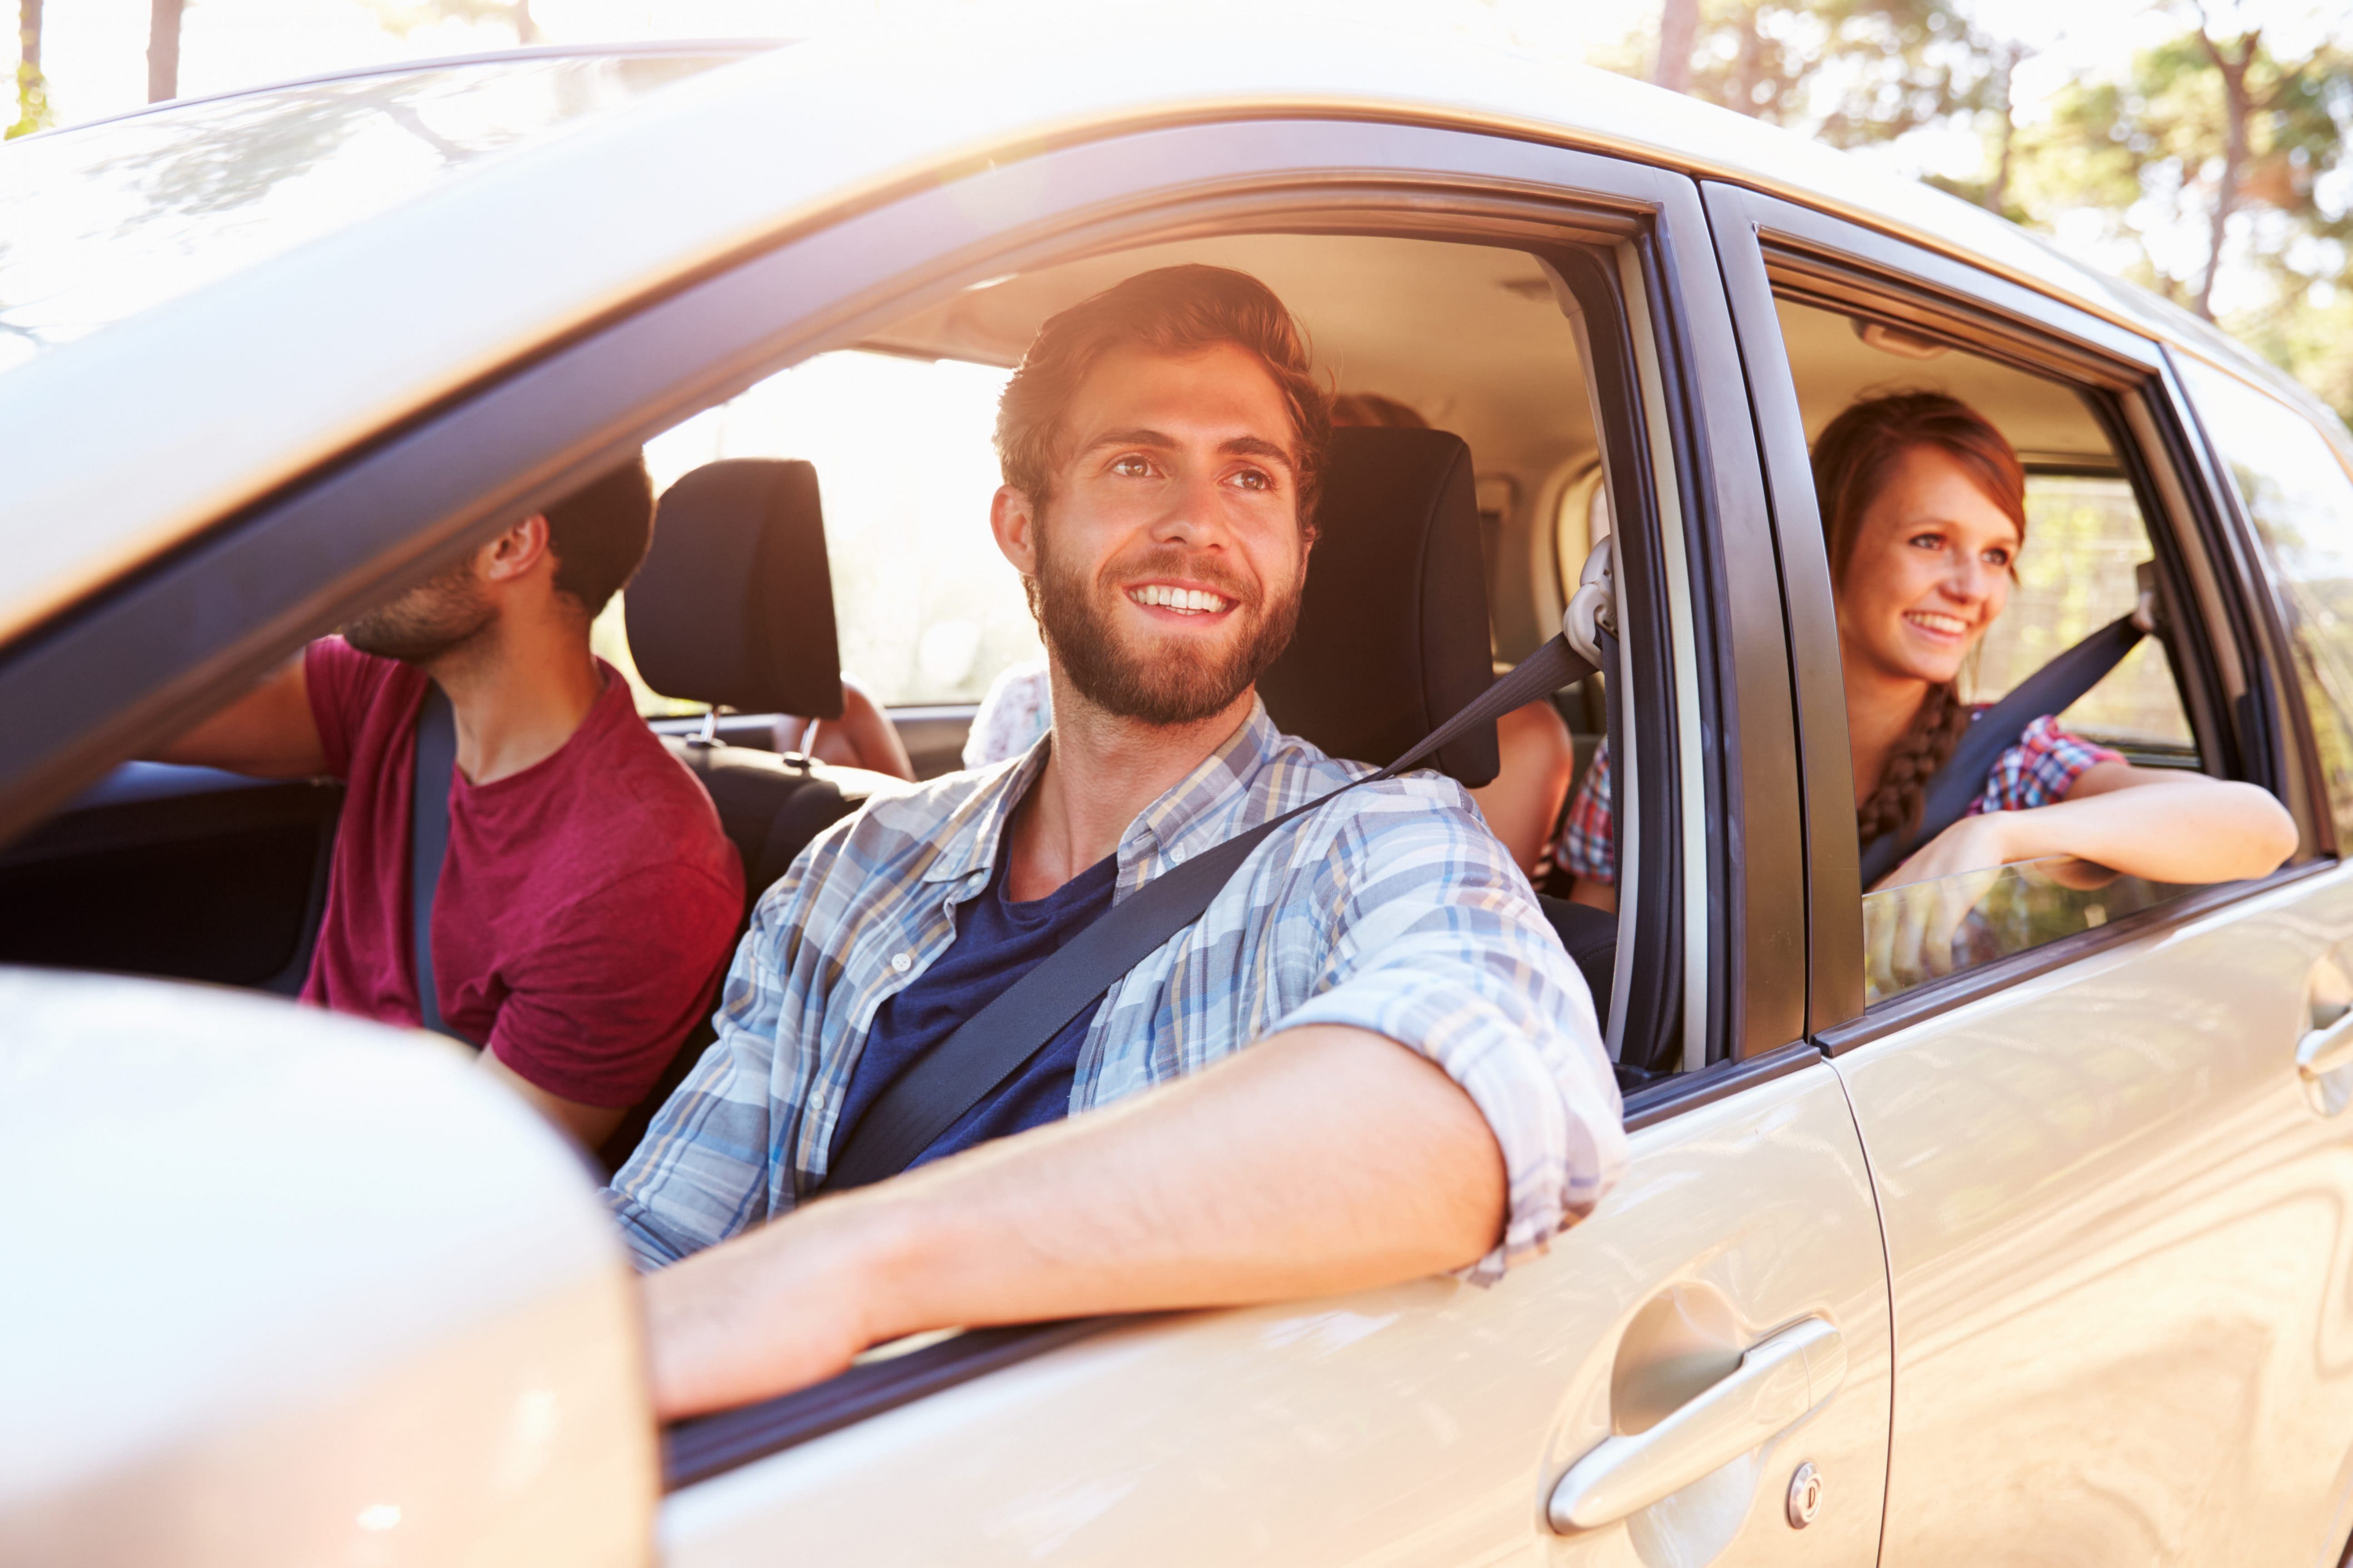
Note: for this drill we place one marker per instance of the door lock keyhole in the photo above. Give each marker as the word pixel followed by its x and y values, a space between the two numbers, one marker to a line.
pixel 1805 1495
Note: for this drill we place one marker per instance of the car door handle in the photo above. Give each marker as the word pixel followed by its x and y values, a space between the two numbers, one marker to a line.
pixel 2324 1050
pixel 1778 1384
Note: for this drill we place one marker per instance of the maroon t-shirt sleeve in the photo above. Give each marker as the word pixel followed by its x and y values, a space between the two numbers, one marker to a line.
pixel 614 983
pixel 342 683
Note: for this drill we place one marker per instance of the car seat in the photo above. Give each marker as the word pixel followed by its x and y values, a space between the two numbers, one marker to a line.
pixel 1393 631
pixel 733 607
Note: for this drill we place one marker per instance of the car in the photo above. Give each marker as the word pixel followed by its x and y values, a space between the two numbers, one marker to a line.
pixel 2033 1254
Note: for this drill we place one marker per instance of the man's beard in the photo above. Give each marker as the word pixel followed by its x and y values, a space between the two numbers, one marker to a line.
pixel 428 621
pixel 1175 684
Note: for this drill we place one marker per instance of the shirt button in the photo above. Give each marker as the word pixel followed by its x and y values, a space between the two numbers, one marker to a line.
pixel 1176 855
pixel 902 962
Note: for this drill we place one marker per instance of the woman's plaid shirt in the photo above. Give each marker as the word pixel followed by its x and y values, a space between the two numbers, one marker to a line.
pixel 1392 909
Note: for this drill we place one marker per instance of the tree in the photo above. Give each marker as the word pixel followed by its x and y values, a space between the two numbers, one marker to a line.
pixel 1678 36
pixel 1848 71
pixel 32 112
pixel 164 48
pixel 2203 137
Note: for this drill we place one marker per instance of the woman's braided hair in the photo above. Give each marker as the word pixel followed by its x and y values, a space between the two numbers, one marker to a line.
pixel 1851 458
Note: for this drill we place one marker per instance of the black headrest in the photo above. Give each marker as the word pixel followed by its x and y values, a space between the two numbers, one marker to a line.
pixel 1393 629
pixel 733 606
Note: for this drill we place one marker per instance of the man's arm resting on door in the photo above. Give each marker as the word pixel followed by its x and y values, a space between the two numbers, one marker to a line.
pixel 1324 1159
pixel 269 731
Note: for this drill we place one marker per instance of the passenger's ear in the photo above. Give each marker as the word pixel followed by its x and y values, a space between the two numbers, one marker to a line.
pixel 1014 521
pixel 517 553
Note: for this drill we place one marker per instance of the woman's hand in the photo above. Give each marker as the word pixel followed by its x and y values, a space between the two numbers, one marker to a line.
pixel 1928 897
pixel 1972 844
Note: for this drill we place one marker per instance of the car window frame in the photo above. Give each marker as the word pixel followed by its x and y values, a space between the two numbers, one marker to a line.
pixel 2296 745
pixel 2143 408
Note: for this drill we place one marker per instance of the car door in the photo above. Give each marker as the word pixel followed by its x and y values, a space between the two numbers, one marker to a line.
pixel 1704 1361
pixel 2116 1208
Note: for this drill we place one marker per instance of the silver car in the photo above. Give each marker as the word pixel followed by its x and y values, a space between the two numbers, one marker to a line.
pixel 2030 1243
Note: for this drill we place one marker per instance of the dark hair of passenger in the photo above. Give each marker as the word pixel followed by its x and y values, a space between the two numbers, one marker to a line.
pixel 600 532
pixel 1175 312
pixel 1851 458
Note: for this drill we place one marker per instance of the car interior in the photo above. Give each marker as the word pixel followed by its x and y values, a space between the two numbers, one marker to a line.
pixel 783 554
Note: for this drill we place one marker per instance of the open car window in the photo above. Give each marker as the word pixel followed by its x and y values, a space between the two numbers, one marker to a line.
pixel 2090 548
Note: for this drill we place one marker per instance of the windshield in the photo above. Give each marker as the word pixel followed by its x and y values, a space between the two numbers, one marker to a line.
pixel 1925 931
pixel 99 223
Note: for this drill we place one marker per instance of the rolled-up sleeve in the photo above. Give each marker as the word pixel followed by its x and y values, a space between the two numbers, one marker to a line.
pixel 1437 942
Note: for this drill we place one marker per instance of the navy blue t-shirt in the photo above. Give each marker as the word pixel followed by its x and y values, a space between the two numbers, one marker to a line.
pixel 997 943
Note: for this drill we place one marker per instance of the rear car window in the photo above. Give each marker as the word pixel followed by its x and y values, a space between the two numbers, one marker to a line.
pixel 2297 494
pixel 926 610
pixel 2085 538
pixel 101 222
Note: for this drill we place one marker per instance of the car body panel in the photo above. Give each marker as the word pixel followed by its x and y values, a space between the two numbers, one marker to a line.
pixel 1424 1424
pixel 2119 1240
pixel 286 1287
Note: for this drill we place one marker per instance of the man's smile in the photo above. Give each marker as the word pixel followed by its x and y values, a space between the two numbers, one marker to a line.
pixel 1181 600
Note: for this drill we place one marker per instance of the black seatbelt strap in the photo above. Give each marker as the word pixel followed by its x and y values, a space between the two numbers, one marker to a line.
pixel 2054 688
pixel 996 1042
pixel 428 842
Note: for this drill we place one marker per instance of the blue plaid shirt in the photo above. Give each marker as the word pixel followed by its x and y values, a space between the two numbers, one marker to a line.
pixel 1392 909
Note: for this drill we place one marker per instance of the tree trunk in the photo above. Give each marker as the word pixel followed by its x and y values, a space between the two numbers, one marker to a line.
pixel 164 50
pixel 2236 111
pixel 2005 71
pixel 1678 36
pixel 1748 66
pixel 32 91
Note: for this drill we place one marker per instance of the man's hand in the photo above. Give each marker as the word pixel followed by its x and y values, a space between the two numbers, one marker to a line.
pixel 1321 1160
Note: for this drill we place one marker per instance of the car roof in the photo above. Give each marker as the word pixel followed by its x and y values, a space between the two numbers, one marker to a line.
pixel 129 441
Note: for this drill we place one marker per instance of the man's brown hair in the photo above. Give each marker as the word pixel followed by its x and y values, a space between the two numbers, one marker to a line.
pixel 1175 312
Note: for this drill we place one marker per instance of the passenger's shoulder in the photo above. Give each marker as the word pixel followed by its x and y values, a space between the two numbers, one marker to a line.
pixel 924 806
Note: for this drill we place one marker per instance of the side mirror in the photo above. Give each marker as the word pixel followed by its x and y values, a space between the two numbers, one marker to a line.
pixel 284 1287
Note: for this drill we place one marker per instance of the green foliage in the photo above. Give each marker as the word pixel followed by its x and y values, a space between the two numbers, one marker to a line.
pixel 1849 71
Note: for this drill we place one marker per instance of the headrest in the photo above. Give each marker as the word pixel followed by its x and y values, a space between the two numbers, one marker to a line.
pixel 1392 636
pixel 733 606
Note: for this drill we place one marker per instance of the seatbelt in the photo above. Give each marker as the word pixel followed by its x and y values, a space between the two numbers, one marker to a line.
pixel 429 842
pixel 2054 688
pixel 996 1042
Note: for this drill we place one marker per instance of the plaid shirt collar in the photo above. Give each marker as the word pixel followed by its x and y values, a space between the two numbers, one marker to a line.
pixel 1194 813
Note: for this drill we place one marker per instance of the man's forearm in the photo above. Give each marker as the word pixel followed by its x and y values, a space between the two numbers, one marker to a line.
pixel 1324 1159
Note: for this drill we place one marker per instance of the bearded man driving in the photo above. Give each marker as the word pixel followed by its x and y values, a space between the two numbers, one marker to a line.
pixel 1368 1060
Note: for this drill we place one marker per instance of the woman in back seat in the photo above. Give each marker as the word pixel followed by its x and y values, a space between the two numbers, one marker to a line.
pixel 1923 508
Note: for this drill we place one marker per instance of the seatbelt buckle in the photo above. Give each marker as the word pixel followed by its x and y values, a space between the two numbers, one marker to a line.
pixel 1593 608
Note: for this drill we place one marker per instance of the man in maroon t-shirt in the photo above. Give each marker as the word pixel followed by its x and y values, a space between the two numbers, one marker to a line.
pixel 588 897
